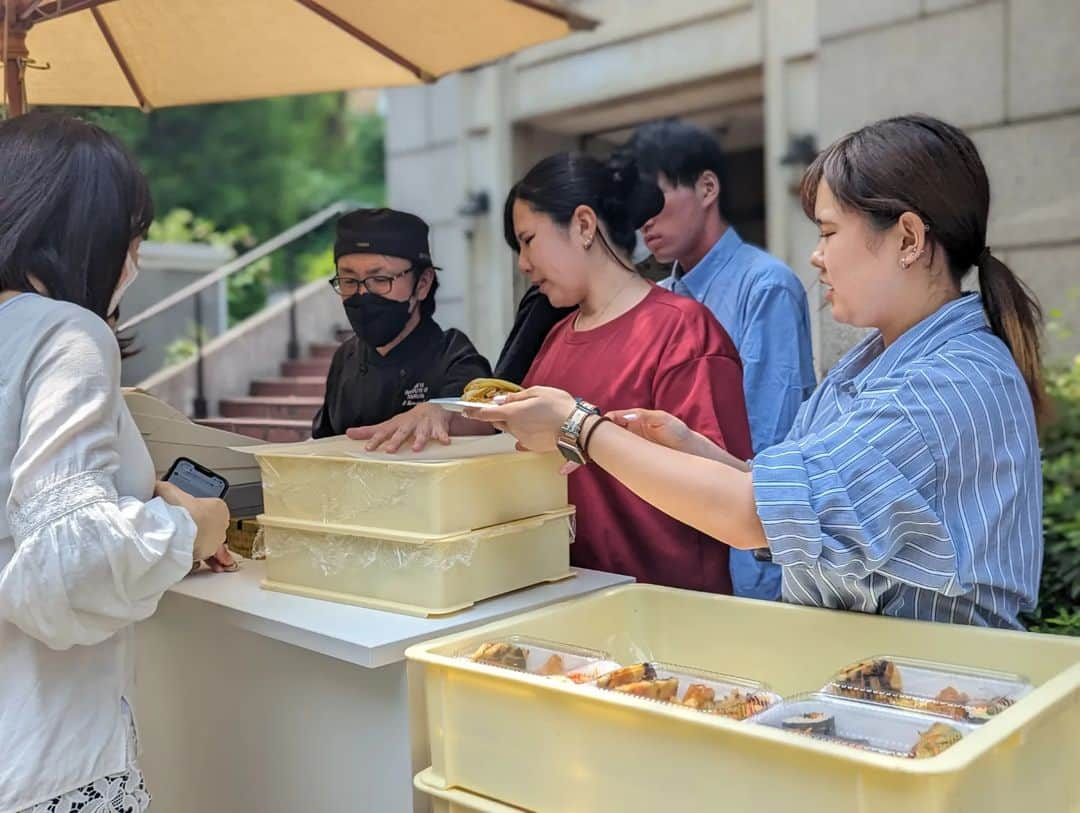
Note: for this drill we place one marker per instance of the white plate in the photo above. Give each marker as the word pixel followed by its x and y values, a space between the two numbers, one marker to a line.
pixel 457 405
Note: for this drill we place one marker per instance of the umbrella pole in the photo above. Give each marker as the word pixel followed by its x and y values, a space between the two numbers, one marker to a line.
pixel 15 55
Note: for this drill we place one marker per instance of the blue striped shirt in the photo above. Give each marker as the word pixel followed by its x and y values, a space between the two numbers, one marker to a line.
pixel 762 306
pixel 910 483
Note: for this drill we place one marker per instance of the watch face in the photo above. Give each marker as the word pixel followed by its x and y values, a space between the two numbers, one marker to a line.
pixel 570 452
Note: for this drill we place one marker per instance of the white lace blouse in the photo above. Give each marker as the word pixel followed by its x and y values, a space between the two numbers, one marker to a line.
pixel 84 550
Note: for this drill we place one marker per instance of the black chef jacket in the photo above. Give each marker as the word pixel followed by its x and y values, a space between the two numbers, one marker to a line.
pixel 364 388
pixel 535 318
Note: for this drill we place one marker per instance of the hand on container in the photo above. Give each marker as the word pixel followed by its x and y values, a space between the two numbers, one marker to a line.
pixel 533 416
pixel 211 517
pixel 421 424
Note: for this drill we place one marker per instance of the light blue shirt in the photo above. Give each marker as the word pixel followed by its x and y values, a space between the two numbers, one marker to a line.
pixel 762 305
pixel 910 484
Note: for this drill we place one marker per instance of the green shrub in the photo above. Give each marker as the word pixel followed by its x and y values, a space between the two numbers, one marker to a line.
pixel 1059 593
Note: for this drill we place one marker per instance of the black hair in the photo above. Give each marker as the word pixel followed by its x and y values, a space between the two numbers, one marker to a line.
pixel 622 199
pixel 682 152
pixel 71 201
pixel 922 165
pixel 427 304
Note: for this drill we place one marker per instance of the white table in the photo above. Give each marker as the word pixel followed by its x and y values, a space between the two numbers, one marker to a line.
pixel 250 700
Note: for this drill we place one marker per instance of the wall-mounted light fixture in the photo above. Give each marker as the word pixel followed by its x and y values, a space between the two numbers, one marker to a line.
pixel 802 150
pixel 476 204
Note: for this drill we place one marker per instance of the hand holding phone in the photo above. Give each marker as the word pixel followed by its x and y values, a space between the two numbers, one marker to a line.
pixel 196 480
pixel 210 514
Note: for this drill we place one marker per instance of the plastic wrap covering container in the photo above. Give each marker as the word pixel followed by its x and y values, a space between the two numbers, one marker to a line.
pixel 333 481
pixel 866 726
pixel 544 745
pixel 415 574
pixel 969 695
pixel 537 657
pixel 703 691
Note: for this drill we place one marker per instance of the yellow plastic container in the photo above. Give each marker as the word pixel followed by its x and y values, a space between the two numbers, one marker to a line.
pixel 452 800
pixel 544 745
pixel 399 493
pixel 414 574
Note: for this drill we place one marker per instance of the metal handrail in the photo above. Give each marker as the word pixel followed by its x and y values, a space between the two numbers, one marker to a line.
pixel 290 234
pixel 196 288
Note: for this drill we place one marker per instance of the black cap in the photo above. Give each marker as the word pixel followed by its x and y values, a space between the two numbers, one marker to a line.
pixel 383 231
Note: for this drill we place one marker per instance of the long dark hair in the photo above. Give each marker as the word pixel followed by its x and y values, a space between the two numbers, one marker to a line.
pixel 920 164
pixel 71 201
pixel 621 197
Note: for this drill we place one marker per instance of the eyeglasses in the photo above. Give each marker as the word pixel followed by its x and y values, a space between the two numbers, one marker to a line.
pixel 379 285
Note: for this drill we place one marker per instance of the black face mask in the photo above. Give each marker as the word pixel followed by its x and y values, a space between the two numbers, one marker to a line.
pixel 376 319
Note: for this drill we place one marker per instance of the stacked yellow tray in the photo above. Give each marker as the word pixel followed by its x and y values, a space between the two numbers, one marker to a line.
pixel 425 533
pixel 503 739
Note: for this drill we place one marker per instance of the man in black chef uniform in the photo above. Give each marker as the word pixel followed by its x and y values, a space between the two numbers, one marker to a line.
pixel 398 357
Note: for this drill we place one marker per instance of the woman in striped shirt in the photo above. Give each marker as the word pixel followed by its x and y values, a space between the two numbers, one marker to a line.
pixel 910 483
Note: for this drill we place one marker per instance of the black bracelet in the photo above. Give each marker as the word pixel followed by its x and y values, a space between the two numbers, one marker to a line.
pixel 585 441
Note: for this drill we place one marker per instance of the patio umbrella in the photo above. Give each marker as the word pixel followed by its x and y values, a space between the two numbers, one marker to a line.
pixel 163 53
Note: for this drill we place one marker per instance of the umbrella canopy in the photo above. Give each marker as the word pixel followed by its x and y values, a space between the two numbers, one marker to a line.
pixel 162 53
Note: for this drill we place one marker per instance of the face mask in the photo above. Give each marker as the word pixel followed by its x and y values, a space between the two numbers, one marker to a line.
pixel 376 319
pixel 127 276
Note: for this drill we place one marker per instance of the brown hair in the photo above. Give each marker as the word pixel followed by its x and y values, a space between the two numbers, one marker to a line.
pixel 923 165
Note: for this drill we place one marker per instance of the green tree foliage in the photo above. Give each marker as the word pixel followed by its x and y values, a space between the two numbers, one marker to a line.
pixel 1059 594
pixel 265 164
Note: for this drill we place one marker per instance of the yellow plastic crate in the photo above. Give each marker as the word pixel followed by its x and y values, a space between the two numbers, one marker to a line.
pixel 318 482
pixel 414 574
pixel 452 800
pixel 544 745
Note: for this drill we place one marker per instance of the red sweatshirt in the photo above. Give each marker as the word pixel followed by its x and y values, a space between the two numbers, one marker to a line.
pixel 669 353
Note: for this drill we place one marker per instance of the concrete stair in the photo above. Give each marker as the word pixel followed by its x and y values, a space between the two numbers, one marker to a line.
pixel 280 410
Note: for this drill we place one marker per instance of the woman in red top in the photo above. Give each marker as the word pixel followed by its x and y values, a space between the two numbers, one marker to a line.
pixel 572 221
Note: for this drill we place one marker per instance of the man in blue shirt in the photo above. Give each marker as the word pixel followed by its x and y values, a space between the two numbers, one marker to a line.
pixel 757 298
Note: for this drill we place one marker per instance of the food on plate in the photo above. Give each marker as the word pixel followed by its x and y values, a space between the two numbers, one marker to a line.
pixel 627 674
pixel 813 722
pixel 485 390
pixel 592 671
pixel 552 666
pixel 982 710
pixel 877 679
pixel 935 740
pixel 699 696
pixel 739 705
pixel 502 654
pixel 949 702
pixel 654 689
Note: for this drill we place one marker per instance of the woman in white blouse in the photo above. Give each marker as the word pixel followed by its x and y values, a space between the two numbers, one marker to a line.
pixel 88 544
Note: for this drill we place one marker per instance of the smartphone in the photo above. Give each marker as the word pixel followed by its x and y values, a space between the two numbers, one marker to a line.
pixel 196 480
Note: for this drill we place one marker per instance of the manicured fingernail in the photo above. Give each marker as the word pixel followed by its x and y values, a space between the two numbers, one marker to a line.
pixel 630 416
pixel 499 399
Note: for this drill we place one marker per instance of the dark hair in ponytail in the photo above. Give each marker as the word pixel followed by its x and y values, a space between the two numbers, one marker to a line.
pixel 621 197
pixel 923 165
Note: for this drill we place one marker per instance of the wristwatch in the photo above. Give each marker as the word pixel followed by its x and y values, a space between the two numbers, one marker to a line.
pixel 569 440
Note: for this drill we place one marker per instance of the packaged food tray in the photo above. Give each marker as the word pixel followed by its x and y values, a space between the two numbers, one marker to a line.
pixel 970 695
pixel 544 745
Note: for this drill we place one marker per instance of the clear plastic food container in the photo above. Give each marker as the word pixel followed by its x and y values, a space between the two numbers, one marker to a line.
pixel 707 692
pixel 539 657
pixel 867 726
pixel 969 695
